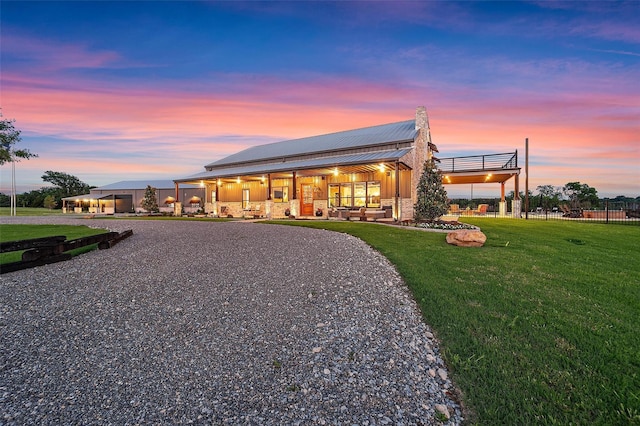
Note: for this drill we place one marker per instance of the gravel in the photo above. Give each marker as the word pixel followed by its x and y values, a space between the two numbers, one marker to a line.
pixel 218 323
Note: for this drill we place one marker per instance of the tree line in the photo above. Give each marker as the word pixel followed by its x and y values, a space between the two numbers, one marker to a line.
pixel 64 185
pixel 574 195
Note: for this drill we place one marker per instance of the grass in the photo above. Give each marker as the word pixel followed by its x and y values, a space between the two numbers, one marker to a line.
pixel 30 211
pixel 25 232
pixel 539 326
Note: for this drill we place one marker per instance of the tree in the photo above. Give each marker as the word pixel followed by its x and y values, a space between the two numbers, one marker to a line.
pixel 50 202
pixel 581 195
pixel 549 196
pixel 150 201
pixel 66 184
pixel 432 197
pixel 9 137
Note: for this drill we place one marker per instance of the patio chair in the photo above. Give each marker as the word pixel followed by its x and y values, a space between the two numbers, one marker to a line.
pixel 454 209
pixel 481 210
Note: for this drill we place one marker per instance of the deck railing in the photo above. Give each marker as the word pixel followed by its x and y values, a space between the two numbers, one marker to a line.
pixel 507 160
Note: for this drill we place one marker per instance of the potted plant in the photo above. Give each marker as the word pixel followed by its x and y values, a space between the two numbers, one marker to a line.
pixel 319 212
pixel 287 212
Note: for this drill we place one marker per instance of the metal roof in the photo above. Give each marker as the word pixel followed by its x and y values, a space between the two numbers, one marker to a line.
pixel 287 166
pixel 96 196
pixel 137 184
pixel 81 197
pixel 369 136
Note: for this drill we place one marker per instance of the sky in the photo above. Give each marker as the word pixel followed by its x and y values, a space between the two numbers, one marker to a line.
pixel 132 90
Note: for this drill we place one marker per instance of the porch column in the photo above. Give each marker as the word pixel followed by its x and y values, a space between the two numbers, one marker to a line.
pixel 294 186
pixel 268 205
pixel 397 205
pixel 516 203
pixel 177 206
pixel 503 204
pixel 294 205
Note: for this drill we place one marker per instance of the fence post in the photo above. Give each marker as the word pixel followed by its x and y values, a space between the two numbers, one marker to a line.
pixel 606 210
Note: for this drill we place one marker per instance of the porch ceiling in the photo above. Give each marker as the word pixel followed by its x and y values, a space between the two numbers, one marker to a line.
pixel 348 163
pixel 485 176
pixel 320 171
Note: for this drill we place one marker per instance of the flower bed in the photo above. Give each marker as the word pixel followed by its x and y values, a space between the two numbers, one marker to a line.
pixel 445 225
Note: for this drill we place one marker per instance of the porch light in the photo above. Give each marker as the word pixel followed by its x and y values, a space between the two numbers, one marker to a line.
pixel 201 184
pixel 335 171
pixel 262 178
pixel 381 168
pixel 219 182
pixel 238 180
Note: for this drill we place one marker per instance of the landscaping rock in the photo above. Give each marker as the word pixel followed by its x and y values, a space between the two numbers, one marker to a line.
pixel 466 238
pixel 442 409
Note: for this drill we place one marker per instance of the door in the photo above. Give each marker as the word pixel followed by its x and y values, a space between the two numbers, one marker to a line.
pixel 307 200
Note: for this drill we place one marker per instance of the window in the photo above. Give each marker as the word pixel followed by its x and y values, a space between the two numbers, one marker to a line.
pixel 345 195
pixel 334 195
pixel 280 194
pixel 357 194
pixel 245 199
pixel 213 196
pixel 373 194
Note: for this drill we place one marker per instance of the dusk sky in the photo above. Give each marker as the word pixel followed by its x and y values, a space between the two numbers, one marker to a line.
pixel 110 91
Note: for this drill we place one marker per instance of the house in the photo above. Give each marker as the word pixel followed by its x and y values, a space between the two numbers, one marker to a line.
pixel 127 196
pixel 376 168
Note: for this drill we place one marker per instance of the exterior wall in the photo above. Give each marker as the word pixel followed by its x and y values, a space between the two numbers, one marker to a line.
pixel 406 209
pixel 137 196
pixel 232 191
pixel 416 158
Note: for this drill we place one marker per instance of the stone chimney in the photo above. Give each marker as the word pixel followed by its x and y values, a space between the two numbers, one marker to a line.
pixel 421 151
pixel 422 122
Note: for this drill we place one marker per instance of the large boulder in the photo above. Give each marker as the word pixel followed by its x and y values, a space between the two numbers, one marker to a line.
pixel 466 238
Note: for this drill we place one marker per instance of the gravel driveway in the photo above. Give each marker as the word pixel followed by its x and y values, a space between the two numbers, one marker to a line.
pixel 217 323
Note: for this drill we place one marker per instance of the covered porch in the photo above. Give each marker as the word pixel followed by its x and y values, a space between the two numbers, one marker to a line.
pixel 483 169
pixel 97 203
pixel 333 186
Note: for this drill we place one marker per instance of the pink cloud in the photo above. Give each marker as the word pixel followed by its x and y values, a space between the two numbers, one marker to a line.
pixel 143 131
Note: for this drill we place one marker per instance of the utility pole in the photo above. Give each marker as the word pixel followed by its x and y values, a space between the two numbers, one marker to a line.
pixel 526 180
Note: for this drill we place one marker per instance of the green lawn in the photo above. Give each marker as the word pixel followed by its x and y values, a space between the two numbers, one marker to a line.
pixel 30 211
pixel 539 326
pixel 24 232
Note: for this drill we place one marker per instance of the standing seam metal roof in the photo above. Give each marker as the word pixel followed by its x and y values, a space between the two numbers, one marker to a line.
pixel 368 136
pixel 137 184
pixel 334 161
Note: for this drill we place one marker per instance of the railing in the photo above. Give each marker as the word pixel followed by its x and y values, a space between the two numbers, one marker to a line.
pixel 608 212
pixel 507 160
